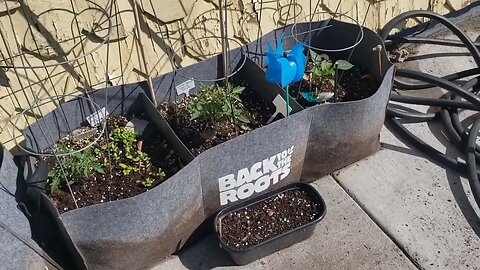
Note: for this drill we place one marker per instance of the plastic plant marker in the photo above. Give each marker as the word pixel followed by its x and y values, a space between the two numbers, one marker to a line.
pixel 309 96
pixel 280 106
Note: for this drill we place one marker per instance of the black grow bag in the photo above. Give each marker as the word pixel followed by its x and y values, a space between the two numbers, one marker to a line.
pixel 17 249
pixel 340 133
pixel 286 239
pixel 121 217
pixel 138 232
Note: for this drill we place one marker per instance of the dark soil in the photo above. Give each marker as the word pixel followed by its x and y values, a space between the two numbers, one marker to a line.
pixel 198 136
pixel 354 84
pixel 113 185
pixel 257 223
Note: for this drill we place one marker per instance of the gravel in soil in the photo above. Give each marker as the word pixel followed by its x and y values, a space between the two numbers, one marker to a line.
pixel 265 220
pixel 354 84
pixel 199 136
pixel 113 184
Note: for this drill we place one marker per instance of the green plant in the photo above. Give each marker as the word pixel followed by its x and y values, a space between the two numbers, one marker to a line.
pixel 123 144
pixel 75 165
pixel 148 182
pixel 323 66
pixel 216 103
pixel 124 154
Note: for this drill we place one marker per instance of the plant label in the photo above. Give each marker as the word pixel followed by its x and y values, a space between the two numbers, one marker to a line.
pixel 185 87
pixel 280 107
pixel 97 117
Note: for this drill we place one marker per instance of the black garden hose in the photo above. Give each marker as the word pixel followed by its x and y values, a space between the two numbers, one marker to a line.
pixel 461 95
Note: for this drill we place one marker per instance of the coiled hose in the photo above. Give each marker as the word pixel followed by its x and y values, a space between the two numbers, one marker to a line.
pixel 462 95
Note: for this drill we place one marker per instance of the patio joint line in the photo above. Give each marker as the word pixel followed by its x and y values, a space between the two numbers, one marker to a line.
pixel 379 225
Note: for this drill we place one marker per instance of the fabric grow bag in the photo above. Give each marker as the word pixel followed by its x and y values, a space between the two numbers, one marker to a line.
pixel 124 234
pixel 340 133
pixel 16 244
pixel 251 163
pixel 138 232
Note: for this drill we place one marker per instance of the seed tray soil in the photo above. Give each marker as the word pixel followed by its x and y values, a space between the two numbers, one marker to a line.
pixel 260 222
pixel 113 185
pixel 354 84
pixel 199 136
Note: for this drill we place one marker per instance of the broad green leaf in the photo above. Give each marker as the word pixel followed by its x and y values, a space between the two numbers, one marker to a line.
pixel 326 65
pixel 343 64
pixel 317 72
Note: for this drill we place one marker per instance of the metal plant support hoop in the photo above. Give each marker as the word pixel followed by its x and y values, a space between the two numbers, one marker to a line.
pixel 235 71
pixel 359 39
pixel 45 101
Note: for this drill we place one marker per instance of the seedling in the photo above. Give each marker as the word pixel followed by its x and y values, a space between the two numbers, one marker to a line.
pixel 124 153
pixel 77 165
pixel 323 68
pixel 216 103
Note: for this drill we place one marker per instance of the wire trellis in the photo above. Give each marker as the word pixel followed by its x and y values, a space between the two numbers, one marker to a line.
pixel 16 60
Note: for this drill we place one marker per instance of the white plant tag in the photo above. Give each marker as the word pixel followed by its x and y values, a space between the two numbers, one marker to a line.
pixel 97 117
pixel 280 107
pixel 185 87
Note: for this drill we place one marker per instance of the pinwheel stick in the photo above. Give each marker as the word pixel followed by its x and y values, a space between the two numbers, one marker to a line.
pixel 287 99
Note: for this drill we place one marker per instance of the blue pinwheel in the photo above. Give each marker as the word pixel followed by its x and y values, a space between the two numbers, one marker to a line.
pixel 285 69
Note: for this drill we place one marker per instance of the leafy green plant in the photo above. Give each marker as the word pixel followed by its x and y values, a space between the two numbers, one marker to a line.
pixel 123 144
pixel 214 103
pixel 323 66
pixel 76 165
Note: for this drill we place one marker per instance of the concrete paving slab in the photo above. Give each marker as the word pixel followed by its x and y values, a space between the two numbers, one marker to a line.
pixel 427 209
pixel 346 239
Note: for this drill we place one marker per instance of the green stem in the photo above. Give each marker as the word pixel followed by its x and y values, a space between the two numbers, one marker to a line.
pixel 288 100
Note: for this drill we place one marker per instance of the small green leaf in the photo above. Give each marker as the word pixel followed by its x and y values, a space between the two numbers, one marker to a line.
pixel 238 90
pixel 242 118
pixel 316 58
pixel 317 72
pixel 195 115
pixel 343 65
pixel 54 186
pixel 332 81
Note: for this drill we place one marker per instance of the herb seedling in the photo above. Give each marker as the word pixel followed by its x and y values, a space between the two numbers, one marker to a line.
pixel 323 67
pixel 126 157
pixel 214 103
pixel 77 165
